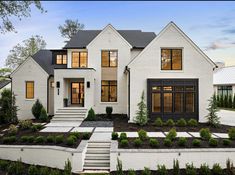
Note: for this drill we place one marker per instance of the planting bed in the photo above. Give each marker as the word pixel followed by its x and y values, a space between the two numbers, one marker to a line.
pixel 203 144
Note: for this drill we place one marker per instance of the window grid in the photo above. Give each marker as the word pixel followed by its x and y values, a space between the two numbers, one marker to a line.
pixel 110 56
pixel 61 59
pixel 106 88
pixel 170 58
pixel 29 89
pixel 79 60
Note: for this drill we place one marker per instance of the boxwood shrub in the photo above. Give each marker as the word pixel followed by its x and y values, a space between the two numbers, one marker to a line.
pixel 205 133
pixel 196 142
pixel 59 139
pixel 167 142
pixel 114 135
pixel 70 141
pixel 24 139
pixel 138 142
pixel 85 135
pixel 158 122
pixel 31 139
pixel 181 122
pixel 172 134
pixel 154 143
pixel 192 123
pixel 182 141
pixel 50 139
pixel 213 142
pixel 123 136
pixel 226 142
pixel 40 139
pixel 124 143
pixel 170 122
pixel 142 135
pixel 231 133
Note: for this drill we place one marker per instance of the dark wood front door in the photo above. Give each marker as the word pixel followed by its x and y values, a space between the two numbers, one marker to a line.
pixel 77 93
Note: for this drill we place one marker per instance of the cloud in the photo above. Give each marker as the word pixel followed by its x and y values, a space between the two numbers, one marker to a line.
pixel 229 31
pixel 219 45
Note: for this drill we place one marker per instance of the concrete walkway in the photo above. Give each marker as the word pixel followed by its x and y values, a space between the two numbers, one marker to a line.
pixel 227 117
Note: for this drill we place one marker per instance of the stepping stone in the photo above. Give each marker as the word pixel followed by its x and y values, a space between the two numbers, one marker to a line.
pixel 105 136
pixel 103 129
pixel 156 134
pixel 62 124
pixel 181 134
pixel 56 129
pixel 82 129
pixel 221 135
pixel 214 136
pixel 195 134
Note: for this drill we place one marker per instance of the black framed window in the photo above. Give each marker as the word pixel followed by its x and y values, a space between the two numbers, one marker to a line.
pixel 108 91
pixel 225 90
pixel 171 59
pixel 61 59
pixel 109 58
pixel 79 59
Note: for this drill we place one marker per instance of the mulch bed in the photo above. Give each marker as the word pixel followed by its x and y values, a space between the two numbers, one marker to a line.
pixel 146 145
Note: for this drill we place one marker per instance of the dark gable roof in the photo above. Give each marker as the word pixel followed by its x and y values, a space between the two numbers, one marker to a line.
pixel 136 38
pixel 3 83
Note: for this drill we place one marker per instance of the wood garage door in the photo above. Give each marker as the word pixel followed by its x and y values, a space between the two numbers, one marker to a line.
pixel 172 98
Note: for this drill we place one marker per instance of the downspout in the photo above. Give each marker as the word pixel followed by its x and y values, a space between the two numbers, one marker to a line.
pixel 48 86
pixel 128 70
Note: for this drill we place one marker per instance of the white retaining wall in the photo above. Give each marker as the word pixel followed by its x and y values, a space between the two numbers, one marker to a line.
pixel 50 156
pixel 137 159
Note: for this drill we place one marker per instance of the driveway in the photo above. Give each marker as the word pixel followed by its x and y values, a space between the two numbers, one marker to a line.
pixel 227 117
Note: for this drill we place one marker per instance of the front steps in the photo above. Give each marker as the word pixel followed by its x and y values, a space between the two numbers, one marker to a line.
pixel 97 156
pixel 69 115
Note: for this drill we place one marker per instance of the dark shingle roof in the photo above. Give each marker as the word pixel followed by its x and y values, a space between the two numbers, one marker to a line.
pixel 136 38
pixel 3 83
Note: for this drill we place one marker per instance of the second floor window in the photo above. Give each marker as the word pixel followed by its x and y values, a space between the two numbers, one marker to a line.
pixel 171 59
pixel 79 59
pixel 109 58
pixel 61 59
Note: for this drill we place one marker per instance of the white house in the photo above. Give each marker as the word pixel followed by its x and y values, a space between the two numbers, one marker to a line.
pixel 109 67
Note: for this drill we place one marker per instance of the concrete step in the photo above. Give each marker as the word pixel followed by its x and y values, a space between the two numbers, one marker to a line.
pixel 99 146
pixel 72 109
pixel 66 120
pixel 85 168
pixel 70 113
pixel 100 164
pixel 97 161
pixel 103 157
pixel 98 151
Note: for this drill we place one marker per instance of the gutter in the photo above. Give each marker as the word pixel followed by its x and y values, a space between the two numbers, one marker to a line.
pixel 127 69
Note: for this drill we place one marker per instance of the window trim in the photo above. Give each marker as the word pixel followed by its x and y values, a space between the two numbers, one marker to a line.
pixel 62 60
pixel 109 58
pixel 79 59
pixel 109 81
pixel 172 48
pixel 27 91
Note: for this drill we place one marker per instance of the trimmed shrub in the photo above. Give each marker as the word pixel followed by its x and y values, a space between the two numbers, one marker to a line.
pixel 76 134
pixel 40 139
pixel 44 171
pixel 43 116
pixel 50 139
pixel 25 124
pixel 213 142
pixel 196 142
pixel 59 139
pixel 142 135
pixel 13 130
pixel 146 171
pixel 192 123
pixel 138 142
pixel 91 115
pixel 171 134
pixel 109 110
pixel 16 168
pixel 55 172
pixel 190 169
pixel 70 140
pixel 3 165
pixel 30 139
pixel 217 170
pixel 24 139
pixel 181 122
pixel 182 141
pixel 114 135
pixel 167 142
pixel 36 128
pixel 170 122
pixel 154 143
pixel 205 133
pixel 33 170
pixel 123 136
pixel 131 172
pixel 176 167
pixel 161 169
pixel 36 109
pixel 124 143
pixel 231 133
pixel 226 142
pixel 85 135
pixel 158 122
pixel 204 169
pixel 8 140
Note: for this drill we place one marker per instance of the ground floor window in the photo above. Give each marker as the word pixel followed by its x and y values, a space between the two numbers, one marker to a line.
pixel 108 91
pixel 172 98
pixel 29 89
pixel 225 90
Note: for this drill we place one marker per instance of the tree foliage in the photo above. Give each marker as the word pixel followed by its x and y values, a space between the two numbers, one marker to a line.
pixel 22 51
pixel 36 109
pixel 70 28
pixel 212 117
pixel 4 73
pixel 142 113
pixel 17 9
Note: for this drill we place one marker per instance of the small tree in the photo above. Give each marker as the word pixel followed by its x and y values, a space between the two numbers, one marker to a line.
pixel 91 115
pixel 230 101
pixel 234 101
pixel 43 115
pixel 218 100
pixel 142 113
pixel 212 117
pixel 36 109
pixel 67 168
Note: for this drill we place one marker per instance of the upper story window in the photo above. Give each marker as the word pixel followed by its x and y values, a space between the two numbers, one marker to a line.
pixel 79 59
pixel 109 58
pixel 61 59
pixel 29 89
pixel 171 59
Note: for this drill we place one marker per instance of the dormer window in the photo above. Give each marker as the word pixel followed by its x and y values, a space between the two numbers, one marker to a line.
pixel 171 59
pixel 61 59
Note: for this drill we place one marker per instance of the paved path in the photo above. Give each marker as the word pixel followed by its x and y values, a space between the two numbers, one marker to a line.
pixel 227 117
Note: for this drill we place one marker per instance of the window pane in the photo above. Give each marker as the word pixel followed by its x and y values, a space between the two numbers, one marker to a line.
pixel 105 58
pixel 58 59
pixel 189 88
pixel 105 83
pixel 75 58
pixel 166 59
pixel 113 82
pixel 156 102
pixel 167 88
pixel 64 59
pixel 179 99
pixel 167 102
pixel 176 59
pixel 83 59
pixel 113 58
pixel 189 100
pixel 179 88
pixel 156 88
pixel 30 90
pixel 113 93
pixel 105 94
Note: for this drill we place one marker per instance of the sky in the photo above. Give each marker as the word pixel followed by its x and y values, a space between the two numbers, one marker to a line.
pixel 211 25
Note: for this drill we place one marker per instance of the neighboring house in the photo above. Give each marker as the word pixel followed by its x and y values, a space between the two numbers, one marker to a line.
pixel 109 67
pixel 223 80
pixel 5 84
